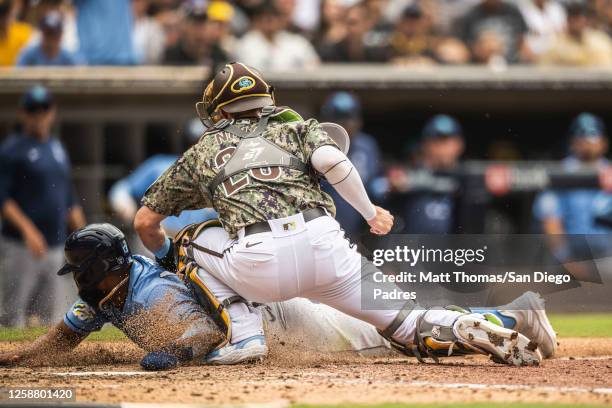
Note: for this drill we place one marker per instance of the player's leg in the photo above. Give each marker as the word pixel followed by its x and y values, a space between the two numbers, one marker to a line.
pixel 246 335
pixel 319 327
pixel 433 332
pixel 527 315
pixel 21 280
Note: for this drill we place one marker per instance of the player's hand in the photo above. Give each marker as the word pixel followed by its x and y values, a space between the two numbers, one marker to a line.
pixel 35 241
pixel 383 221
pixel 9 359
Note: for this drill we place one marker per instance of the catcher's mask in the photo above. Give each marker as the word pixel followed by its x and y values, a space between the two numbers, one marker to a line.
pixel 93 254
pixel 236 88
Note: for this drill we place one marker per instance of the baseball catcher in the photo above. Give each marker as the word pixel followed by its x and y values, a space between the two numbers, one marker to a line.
pixel 259 166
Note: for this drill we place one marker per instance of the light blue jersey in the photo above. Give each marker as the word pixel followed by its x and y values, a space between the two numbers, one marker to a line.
pixel 576 208
pixel 155 296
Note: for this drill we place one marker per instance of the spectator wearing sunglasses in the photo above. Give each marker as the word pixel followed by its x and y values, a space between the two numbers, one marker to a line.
pixel 38 206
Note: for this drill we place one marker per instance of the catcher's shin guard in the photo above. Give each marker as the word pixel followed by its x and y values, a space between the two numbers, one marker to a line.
pixel 188 271
pixel 216 309
pixel 430 340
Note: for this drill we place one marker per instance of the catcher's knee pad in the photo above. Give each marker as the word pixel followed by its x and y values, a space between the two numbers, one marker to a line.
pixel 431 339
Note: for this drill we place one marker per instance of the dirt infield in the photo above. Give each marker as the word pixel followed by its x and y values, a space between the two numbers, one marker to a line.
pixel 109 372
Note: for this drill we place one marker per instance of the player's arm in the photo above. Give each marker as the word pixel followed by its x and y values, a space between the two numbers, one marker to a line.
pixel 176 190
pixel 33 238
pixel 59 339
pixel 336 167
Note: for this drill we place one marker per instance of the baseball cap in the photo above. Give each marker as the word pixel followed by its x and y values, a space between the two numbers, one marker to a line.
pixel 51 22
pixel 587 125
pixel 196 10
pixel 441 126
pixel 341 105
pixel 220 11
pixel 412 11
pixel 36 99
pixel 237 88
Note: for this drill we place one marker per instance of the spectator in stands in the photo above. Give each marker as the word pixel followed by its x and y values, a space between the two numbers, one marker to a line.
pixel 268 47
pixel 199 42
pixel 580 44
pixel 494 30
pixel 220 16
pixel 48 50
pixel 38 205
pixel 603 15
pixel 105 31
pixel 126 193
pixel 70 38
pixel 545 20
pixel 332 27
pixel 345 109
pixel 354 47
pixel 573 211
pixel 14 35
pixel 414 41
pixel 431 212
pixel 170 21
pixel 148 35
pixel 444 13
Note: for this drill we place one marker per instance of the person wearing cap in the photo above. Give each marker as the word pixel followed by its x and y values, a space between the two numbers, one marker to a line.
pixel 49 51
pixel 573 211
pixel 38 205
pixel 200 40
pixel 439 150
pixel 344 109
pixel 14 35
pixel 127 192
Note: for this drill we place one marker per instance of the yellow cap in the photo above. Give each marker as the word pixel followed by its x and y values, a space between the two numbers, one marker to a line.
pixel 220 11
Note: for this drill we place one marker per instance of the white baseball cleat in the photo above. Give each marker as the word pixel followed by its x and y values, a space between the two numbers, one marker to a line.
pixel 248 350
pixel 505 346
pixel 531 320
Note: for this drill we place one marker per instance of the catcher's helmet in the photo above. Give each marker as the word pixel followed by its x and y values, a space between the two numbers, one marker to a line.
pixel 236 88
pixel 94 252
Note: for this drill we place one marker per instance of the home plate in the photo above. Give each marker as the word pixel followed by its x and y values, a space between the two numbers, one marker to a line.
pixel 103 373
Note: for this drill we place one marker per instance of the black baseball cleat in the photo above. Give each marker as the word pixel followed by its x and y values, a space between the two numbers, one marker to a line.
pixel 504 345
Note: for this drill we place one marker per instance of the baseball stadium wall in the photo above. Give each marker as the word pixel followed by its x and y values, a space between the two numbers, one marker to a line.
pixel 112 118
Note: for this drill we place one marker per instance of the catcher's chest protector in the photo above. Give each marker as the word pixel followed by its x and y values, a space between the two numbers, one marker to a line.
pixel 254 151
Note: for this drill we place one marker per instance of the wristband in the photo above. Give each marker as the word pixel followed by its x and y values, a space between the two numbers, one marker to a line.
pixel 161 252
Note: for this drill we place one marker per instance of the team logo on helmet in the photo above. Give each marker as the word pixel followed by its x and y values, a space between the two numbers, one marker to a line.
pixel 242 84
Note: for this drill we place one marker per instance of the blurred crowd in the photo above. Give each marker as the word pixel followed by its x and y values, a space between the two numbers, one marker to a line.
pixel 294 34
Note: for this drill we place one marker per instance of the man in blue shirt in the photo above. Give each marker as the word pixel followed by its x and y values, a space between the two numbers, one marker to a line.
pixel 440 148
pixel 127 192
pixel 105 31
pixel 38 206
pixel 49 51
pixel 574 211
pixel 345 109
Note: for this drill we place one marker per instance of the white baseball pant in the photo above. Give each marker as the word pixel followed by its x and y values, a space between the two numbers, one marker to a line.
pixel 311 260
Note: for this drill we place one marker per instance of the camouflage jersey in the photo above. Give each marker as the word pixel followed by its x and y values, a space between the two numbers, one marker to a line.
pixel 252 195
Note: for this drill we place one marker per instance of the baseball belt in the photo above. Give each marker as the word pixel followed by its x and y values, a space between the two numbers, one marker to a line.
pixel 263 226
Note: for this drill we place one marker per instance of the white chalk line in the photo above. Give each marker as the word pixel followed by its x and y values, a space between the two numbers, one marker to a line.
pixel 103 373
